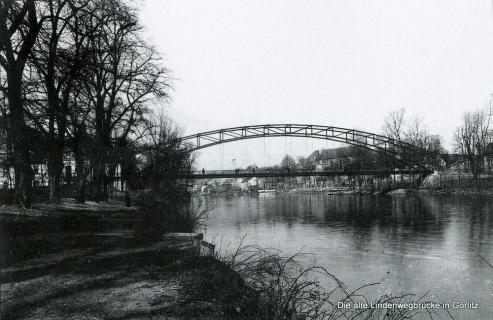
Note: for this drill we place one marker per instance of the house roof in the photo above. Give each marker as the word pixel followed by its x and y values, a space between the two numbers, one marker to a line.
pixel 451 158
pixel 327 154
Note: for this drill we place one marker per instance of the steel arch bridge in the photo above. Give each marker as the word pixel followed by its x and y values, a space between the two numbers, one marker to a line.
pixel 402 152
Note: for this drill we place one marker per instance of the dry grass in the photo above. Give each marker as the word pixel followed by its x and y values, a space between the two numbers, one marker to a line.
pixel 191 215
pixel 257 283
pixel 161 216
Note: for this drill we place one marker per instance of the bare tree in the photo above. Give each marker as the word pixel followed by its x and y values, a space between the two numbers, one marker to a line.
pixel 417 135
pixel 59 57
pixel 77 76
pixel 473 137
pixel 394 124
pixel 20 25
pixel 412 131
pixel 164 156
pixel 126 74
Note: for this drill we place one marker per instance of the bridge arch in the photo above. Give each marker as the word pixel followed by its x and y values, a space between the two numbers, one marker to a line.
pixel 402 152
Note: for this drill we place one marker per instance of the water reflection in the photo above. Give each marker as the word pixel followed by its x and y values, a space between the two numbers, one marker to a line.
pixel 442 243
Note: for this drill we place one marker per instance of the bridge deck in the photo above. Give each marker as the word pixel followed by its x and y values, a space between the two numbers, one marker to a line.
pixel 293 173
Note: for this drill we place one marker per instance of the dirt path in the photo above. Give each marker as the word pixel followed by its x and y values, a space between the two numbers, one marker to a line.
pixel 142 283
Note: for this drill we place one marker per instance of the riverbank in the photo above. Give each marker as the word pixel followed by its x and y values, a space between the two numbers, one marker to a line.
pixel 89 261
pixel 464 192
pixel 150 283
pixel 396 192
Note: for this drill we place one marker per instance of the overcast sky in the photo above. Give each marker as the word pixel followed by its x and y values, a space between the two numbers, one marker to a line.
pixel 331 62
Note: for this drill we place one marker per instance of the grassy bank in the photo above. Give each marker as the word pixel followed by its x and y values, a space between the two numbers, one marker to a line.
pixel 268 285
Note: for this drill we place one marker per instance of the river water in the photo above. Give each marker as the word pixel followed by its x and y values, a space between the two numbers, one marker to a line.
pixel 443 244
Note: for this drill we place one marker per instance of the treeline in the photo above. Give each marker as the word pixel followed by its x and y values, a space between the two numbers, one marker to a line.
pixel 414 146
pixel 77 80
pixel 472 141
pixel 412 130
pixel 472 147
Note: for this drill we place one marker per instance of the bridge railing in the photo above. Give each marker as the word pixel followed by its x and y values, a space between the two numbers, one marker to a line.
pixel 256 170
pixel 291 171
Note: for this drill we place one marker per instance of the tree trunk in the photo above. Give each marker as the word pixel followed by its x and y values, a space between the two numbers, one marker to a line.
pixel 80 181
pixel 20 140
pixel 57 172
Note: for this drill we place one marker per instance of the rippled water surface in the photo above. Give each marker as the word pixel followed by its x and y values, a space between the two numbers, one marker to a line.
pixel 410 244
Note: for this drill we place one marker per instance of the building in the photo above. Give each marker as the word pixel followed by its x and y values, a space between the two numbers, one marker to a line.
pixel 330 159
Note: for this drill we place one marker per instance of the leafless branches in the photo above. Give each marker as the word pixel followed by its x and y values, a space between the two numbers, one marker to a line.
pixel 394 124
pixel 290 289
pixel 473 137
pixel 80 75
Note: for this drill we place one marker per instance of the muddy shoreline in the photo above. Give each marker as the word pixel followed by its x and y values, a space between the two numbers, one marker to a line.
pixel 90 262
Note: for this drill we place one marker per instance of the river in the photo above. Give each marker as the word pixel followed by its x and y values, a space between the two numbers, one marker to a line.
pixel 443 244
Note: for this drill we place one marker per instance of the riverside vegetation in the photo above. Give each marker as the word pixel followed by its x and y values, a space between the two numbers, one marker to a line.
pixel 257 283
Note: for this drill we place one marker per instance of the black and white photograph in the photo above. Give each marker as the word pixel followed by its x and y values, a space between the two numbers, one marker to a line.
pixel 251 160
